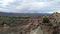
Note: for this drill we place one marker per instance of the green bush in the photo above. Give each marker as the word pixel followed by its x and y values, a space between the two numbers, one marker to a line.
pixel 45 20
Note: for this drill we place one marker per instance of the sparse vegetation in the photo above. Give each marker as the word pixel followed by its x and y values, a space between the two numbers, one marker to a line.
pixel 22 25
pixel 12 21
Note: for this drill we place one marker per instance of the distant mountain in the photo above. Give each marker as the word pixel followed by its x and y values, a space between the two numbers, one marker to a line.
pixel 23 14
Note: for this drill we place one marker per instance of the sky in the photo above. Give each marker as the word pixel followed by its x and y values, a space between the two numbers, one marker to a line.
pixel 30 6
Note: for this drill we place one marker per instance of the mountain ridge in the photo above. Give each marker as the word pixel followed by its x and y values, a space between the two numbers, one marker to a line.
pixel 22 14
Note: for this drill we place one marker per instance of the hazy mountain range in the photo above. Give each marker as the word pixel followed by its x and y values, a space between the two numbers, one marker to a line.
pixel 23 14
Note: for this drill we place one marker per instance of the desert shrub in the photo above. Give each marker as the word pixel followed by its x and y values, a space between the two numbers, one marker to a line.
pixel 50 24
pixel 45 20
pixel 55 32
pixel 55 27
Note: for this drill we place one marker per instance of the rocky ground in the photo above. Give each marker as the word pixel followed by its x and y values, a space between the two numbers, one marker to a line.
pixel 30 25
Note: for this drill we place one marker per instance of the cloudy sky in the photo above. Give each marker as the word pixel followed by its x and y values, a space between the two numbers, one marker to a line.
pixel 30 6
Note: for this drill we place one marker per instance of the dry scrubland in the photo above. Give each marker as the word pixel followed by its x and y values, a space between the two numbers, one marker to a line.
pixel 30 24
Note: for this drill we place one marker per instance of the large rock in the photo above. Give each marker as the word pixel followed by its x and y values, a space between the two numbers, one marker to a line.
pixel 37 31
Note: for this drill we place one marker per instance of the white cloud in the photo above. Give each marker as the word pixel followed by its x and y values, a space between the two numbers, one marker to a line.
pixel 31 5
pixel 57 11
pixel 5 2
